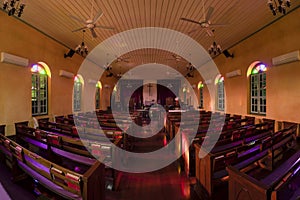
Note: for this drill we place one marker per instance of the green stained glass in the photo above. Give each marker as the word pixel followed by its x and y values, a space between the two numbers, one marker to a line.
pixel 254 71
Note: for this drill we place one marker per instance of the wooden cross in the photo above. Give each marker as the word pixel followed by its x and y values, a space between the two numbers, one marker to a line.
pixel 149 87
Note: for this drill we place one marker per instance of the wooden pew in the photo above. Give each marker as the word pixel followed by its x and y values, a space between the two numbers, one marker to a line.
pixel 64 182
pixel 276 185
pixel 230 137
pixel 67 129
pixel 2 129
pixel 74 148
pixel 212 166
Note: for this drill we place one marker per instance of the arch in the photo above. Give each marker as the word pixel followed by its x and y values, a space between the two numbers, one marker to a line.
pixel 200 85
pixel 219 78
pixel 46 67
pixel 79 78
pixel 252 66
pixel 99 85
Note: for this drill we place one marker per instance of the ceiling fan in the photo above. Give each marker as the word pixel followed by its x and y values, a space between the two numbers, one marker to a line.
pixel 120 59
pixel 109 72
pixel 91 22
pixel 205 23
pixel 176 58
pixel 190 70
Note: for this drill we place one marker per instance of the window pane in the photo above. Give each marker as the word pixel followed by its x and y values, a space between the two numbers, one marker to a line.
pixel 258 92
pixel 77 96
pixel 39 96
pixel 97 96
pixel 220 96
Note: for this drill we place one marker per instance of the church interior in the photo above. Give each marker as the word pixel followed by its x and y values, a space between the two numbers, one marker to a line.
pixel 164 99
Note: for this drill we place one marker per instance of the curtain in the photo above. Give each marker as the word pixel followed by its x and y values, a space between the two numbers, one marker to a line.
pixel 165 90
pixel 131 94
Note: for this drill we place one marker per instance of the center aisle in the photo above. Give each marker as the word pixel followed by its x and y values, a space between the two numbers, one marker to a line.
pixel 164 184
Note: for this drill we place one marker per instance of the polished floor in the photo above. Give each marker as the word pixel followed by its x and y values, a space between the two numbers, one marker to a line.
pixel 169 183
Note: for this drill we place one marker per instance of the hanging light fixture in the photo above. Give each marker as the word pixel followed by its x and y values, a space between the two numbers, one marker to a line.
pixel 278 6
pixel 215 49
pixel 13 7
pixel 82 49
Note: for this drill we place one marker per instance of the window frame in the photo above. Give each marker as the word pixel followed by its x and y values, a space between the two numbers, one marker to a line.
pixel 77 92
pixel 201 101
pixel 97 98
pixel 40 105
pixel 258 83
pixel 220 94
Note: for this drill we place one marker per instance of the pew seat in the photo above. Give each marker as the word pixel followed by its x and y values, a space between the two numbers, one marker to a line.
pixel 48 183
pixel 242 186
pixel 280 172
pixel 67 183
pixel 213 166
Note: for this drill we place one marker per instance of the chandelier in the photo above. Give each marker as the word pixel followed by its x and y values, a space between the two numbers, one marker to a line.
pixel 278 6
pixel 13 7
pixel 214 49
pixel 82 49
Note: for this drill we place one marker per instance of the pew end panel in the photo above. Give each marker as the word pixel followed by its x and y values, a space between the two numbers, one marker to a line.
pixel 204 170
pixel 93 180
pixel 243 187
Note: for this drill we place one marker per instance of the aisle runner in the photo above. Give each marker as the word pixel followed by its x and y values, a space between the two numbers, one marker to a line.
pixel 3 194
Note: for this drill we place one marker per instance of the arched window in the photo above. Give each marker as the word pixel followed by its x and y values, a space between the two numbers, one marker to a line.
pixel 200 88
pixel 39 90
pixel 184 91
pixel 220 93
pixel 258 89
pixel 77 93
pixel 97 95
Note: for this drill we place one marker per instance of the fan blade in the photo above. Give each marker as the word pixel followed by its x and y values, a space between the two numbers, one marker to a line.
pixel 192 31
pixel 79 29
pixel 190 20
pixel 122 60
pixel 93 33
pixel 218 25
pixel 209 13
pixel 97 17
pixel 209 32
pixel 105 27
pixel 77 19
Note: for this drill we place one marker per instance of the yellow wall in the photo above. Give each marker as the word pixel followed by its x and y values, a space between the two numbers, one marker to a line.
pixel 15 81
pixel 283 82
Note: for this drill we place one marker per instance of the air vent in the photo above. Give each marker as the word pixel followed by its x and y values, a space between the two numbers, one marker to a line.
pixel 12 59
pixel 286 58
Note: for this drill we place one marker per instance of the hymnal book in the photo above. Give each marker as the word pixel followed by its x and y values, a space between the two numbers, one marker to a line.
pixel 74 185
pixel 96 150
pixel 18 153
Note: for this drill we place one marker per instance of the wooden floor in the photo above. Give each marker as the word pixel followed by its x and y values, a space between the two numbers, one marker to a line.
pixel 164 184
pixel 169 183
